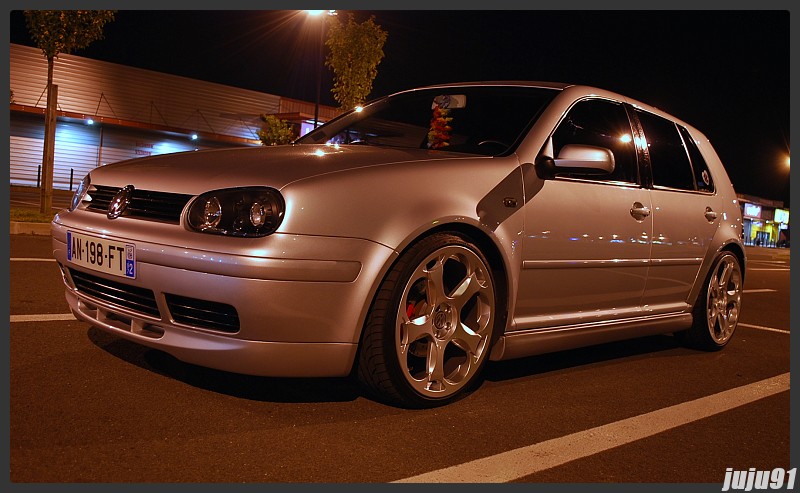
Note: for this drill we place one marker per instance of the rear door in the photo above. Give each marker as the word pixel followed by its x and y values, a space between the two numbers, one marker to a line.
pixel 686 212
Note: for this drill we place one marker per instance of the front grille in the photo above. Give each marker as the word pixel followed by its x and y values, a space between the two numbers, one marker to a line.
pixel 131 297
pixel 145 204
pixel 201 313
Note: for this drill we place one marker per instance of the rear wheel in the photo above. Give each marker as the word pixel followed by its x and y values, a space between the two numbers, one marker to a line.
pixel 429 331
pixel 716 312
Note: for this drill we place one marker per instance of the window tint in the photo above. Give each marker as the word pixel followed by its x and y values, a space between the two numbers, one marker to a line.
pixel 668 158
pixel 487 120
pixel 702 177
pixel 600 123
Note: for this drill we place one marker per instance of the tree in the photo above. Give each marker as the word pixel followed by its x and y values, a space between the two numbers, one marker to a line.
pixel 356 49
pixel 56 32
pixel 275 131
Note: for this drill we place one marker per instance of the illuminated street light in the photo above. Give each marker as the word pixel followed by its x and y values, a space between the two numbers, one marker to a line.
pixel 321 62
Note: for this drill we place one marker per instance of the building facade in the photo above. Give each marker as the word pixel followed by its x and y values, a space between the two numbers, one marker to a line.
pixel 108 112
pixel 765 222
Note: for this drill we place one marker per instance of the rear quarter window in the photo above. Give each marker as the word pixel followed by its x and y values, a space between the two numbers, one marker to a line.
pixel 702 176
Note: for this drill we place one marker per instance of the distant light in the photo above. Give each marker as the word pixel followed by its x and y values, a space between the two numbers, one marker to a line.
pixel 90 122
pixel 319 152
pixel 625 138
pixel 315 12
pixel 359 109
pixel 194 136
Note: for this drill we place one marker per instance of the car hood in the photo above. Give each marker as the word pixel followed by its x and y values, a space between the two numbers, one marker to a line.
pixel 199 171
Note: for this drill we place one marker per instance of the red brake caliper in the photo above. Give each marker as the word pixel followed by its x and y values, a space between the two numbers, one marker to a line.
pixel 410 311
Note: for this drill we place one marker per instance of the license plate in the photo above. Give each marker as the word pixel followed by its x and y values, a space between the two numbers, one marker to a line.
pixel 99 254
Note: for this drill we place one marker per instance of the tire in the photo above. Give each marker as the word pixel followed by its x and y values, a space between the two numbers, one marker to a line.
pixel 430 329
pixel 716 312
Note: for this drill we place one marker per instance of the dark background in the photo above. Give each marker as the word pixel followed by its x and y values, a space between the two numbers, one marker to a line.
pixel 725 72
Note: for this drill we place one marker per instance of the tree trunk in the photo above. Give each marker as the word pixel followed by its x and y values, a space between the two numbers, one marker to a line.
pixel 48 155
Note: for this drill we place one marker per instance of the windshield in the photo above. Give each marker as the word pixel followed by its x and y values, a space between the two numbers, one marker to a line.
pixel 487 120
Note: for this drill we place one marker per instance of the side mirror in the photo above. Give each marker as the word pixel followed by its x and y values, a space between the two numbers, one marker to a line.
pixel 578 158
pixel 575 159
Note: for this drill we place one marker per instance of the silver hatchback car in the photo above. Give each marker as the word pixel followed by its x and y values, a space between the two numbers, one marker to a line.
pixel 409 241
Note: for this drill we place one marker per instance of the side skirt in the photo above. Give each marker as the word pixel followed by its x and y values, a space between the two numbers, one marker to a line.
pixel 531 342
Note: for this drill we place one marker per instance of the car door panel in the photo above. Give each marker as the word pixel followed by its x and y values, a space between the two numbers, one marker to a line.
pixel 683 228
pixel 585 254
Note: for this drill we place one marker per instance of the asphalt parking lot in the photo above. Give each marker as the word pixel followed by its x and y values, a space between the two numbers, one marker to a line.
pixel 88 407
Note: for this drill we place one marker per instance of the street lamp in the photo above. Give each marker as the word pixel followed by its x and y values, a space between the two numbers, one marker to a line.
pixel 321 61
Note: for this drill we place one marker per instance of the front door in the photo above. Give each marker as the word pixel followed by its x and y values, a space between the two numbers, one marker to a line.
pixel 587 240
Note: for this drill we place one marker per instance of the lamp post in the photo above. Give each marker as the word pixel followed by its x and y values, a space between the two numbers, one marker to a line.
pixel 320 61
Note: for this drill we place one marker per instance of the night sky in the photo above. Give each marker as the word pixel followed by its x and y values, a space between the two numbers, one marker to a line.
pixel 725 72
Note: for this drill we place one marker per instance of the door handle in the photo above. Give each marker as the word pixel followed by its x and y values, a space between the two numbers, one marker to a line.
pixel 711 216
pixel 639 211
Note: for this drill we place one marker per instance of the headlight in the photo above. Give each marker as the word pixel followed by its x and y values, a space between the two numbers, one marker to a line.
pixel 249 212
pixel 77 197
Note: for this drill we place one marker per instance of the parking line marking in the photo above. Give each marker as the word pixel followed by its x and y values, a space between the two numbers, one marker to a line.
pixel 747 291
pixel 524 461
pixel 51 317
pixel 760 327
pixel 31 259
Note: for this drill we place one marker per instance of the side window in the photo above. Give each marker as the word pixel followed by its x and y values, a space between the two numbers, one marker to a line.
pixel 702 176
pixel 601 123
pixel 668 158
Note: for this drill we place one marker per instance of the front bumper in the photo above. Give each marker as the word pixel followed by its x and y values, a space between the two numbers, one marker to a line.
pixel 297 317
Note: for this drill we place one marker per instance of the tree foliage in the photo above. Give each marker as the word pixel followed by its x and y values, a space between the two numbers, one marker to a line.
pixel 64 31
pixel 356 49
pixel 275 131
pixel 56 32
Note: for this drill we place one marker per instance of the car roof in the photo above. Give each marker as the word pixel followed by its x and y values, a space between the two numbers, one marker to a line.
pixel 561 86
pixel 521 83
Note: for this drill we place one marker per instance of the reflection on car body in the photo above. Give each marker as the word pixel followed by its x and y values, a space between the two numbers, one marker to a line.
pixel 410 241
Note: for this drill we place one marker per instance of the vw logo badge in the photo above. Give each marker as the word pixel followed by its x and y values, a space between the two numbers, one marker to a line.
pixel 120 202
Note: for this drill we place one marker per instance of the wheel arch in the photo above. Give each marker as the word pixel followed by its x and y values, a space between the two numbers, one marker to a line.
pixel 738 251
pixel 493 254
pixel 375 364
pixel 713 336
pixel 730 244
pixel 488 248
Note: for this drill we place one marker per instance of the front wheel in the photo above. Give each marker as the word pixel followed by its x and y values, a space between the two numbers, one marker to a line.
pixel 716 312
pixel 429 331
